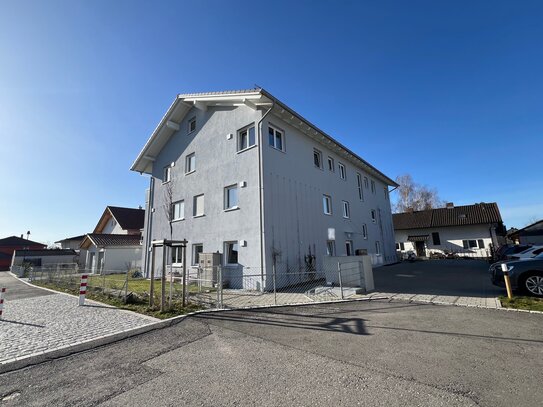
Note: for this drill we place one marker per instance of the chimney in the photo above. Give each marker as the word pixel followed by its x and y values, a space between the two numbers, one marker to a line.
pixel 410 210
pixel 449 205
pixel 21 235
pixel 140 207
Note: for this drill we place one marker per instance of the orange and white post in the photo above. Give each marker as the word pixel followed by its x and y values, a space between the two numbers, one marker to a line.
pixel 507 281
pixel 2 293
pixel 83 289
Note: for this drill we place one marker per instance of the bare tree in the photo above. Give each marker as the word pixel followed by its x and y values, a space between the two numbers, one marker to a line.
pixel 415 196
pixel 168 212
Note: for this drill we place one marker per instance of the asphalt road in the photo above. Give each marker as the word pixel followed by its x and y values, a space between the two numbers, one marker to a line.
pixel 16 290
pixel 469 278
pixel 360 353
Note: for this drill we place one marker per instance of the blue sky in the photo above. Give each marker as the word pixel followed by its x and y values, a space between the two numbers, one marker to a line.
pixel 450 92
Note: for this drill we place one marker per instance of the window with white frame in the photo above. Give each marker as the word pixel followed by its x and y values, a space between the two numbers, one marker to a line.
pixel 192 125
pixel 366 183
pixel 317 158
pixel 246 138
pixel 190 163
pixel 331 164
pixel 231 253
pixel 178 210
pixel 364 231
pixel 167 174
pixel 346 210
pixel 330 248
pixel 276 138
pixel 373 216
pixel 197 248
pixel 342 173
pixel 349 247
pixel 372 186
pixel 198 205
pixel 231 197
pixel 359 185
pixel 377 247
pixel 327 204
pixel 177 255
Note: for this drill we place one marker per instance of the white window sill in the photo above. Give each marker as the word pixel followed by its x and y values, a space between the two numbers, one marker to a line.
pixel 177 220
pixel 190 172
pixel 165 182
pixel 177 264
pixel 327 214
pixel 199 216
pixel 246 149
pixel 234 208
pixel 319 168
pixel 278 149
pixel 231 265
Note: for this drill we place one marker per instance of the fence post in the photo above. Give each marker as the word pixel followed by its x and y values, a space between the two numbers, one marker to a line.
pixel 2 291
pixel 274 283
pixel 339 276
pixel 184 296
pixel 163 281
pixel 152 281
pixel 219 287
pixel 126 287
pixel 83 289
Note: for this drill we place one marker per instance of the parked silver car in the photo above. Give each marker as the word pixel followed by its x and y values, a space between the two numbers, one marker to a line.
pixel 526 275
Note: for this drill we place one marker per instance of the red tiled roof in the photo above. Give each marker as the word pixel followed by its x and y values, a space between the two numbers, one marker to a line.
pixel 483 213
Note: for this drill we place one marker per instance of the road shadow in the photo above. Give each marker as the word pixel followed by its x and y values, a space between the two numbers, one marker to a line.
pixel 21 323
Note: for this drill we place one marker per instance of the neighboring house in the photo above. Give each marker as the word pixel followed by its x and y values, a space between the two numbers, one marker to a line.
pixel 252 179
pixel 468 229
pixel 9 244
pixel 44 257
pixel 74 243
pixel 115 243
pixel 531 234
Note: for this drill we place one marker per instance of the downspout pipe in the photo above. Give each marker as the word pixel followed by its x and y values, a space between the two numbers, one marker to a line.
pixel 261 189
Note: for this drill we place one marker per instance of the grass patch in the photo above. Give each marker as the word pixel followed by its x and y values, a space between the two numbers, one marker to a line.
pixel 527 303
pixel 135 304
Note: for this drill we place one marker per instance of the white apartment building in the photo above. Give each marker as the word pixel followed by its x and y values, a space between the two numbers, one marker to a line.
pixel 242 174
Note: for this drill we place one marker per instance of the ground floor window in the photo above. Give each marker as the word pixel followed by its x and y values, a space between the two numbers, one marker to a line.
pixel 469 244
pixel 177 255
pixel 231 253
pixel 436 239
pixel 349 247
pixel 377 247
pixel 400 246
pixel 331 248
pixel 197 248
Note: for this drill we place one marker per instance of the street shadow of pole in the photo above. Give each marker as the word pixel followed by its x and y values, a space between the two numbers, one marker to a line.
pixel 21 323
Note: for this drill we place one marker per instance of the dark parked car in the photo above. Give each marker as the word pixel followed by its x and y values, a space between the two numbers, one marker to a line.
pixel 509 249
pixel 525 275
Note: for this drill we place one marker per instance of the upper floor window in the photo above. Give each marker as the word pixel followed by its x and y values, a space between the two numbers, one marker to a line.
pixel 346 210
pixel 192 125
pixel 331 164
pixel 327 204
pixel 178 210
pixel 231 197
pixel 373 216
pixel 364 231
pixel 359 185
pixel 246 138
pixel 366 183
pixel 190 164
pixel 198 205
pixel 167 174
pixel 387 195
pixel 317 158
pixel 372 186
pixel 342 173
pixel 276 138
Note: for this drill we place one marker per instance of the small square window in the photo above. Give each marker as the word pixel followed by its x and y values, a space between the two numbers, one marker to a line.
pixel 276 138
pixel 231 197
pixel 190 164
pixel 167 174
pixel 246 138
pixel 192 125
pixel 231 253
pixel 178 210
pixel 198 205
pixel 317 158
pixel 197 248
pixel 327 204
pixel 342 172
pixel 346 210
pixel 331 164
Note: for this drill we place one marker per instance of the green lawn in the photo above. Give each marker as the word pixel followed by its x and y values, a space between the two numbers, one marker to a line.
pixel 528 303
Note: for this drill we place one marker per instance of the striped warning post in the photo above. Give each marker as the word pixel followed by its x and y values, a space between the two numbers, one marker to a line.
pixel 83 289
pixel 2 293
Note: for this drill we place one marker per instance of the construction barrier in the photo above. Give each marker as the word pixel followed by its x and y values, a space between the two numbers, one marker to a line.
pixel 2 291
pixel 83 289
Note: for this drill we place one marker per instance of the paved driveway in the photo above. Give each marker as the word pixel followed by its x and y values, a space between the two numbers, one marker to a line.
pixel 376 353
pixel 460 282
pixel 16 290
